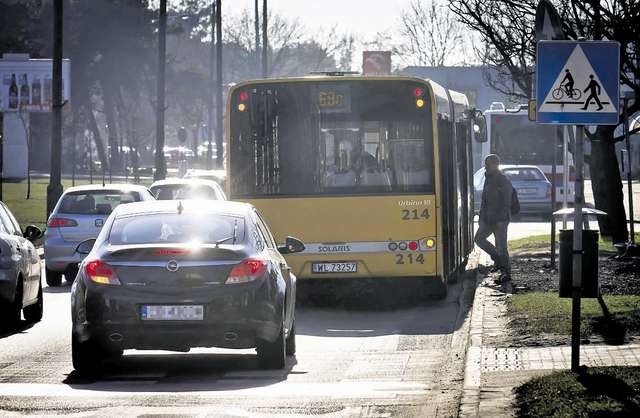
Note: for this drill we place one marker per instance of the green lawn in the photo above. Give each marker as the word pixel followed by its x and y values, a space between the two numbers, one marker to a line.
pixel 594 392
pixel 32 211
pixel 543 242
pixel 545 313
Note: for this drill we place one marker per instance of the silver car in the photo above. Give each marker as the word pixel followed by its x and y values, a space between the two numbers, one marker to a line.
pixel 79 215
pixel 533 187
pixel 187 188
pixel 20 285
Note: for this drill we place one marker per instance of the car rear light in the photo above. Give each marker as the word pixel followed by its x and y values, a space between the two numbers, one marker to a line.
pixel 101 273
pixel 247 271
pixel 549 191
pixel 61 223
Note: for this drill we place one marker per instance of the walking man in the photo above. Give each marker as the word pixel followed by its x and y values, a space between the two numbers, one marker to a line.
pixel 594 92
pixel 495 214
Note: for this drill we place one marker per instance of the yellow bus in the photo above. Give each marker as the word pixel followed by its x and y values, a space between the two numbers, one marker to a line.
pixel 373 173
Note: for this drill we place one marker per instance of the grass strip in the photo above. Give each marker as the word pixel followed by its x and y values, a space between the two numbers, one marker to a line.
pixel 545 313
pixel 594 392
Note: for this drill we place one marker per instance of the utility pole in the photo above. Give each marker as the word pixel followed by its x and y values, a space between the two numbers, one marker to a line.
pixel 219 141
pixel 212 54
pixel 161 164
pixel 54 189
pixel 265 40
pixel 257 28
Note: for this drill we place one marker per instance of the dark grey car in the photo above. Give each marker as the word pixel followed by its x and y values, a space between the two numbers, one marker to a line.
pixel 171 275
pixel 20 284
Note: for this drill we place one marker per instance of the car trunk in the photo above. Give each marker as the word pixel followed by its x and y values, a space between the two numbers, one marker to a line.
pixel 89 226
pixel 530 190
pixel 174 267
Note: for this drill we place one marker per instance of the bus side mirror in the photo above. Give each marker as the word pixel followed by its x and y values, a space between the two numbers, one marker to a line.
pixel 479 127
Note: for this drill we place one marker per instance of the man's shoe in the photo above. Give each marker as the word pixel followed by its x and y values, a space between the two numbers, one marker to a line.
pixel 504 278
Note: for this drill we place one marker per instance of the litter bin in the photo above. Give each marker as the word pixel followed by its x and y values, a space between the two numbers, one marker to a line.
pixel 590 288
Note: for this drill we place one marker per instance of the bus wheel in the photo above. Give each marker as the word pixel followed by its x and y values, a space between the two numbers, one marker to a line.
pixel 439 289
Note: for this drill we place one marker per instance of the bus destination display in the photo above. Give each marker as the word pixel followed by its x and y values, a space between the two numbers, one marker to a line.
pixel 333 99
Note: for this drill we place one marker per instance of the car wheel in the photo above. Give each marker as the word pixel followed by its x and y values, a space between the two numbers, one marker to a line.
pixel 291 339
pixel 14 309
pixel 86 356
pixel 54 278
pixel 70 273
pixel 272 355
pixel 33 313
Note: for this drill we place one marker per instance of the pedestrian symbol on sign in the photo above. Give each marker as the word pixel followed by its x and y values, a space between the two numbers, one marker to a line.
pixel 594 89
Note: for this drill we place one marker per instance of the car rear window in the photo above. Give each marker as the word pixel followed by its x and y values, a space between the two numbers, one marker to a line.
pixel 183 191
pixel 173 228
pixel 95 202
pixel 524 174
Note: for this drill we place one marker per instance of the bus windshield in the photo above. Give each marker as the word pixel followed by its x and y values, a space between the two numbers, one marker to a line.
pixel 330 138
pixel 517 140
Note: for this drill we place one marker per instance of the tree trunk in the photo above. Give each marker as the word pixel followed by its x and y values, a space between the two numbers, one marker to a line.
pixel 112 129
pixel 97 139
pixel 607 186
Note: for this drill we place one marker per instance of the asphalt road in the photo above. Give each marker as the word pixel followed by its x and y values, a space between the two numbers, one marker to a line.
pixel 406 362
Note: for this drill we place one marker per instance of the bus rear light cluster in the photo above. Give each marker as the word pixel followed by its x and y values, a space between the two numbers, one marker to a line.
pixel 423 244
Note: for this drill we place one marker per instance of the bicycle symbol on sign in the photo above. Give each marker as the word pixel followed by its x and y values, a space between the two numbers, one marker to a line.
pixel 566 88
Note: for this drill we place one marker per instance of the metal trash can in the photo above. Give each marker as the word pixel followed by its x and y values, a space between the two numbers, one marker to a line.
pixel 590 287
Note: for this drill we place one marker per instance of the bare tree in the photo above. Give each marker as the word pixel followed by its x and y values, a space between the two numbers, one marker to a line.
pixel 507 30
pixel 507 47
pixel 431 34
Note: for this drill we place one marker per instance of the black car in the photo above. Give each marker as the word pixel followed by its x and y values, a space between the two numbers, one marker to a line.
pixel 171 275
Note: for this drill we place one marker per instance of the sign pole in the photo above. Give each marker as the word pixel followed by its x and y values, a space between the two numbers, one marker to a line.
pixel 629 180
pixel 577 251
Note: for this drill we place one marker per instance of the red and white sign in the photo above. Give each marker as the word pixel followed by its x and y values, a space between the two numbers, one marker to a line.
pixel 376 63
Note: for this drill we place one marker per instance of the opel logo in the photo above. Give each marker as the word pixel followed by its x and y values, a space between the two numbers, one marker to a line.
pixel 173 265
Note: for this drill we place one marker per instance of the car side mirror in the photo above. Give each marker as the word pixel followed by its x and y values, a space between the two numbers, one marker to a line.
pixel 32 232
pixel 85 246
pixel 291 245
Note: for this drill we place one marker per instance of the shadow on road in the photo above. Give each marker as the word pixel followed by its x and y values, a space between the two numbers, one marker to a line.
pixel 180 373
pixel 65 287
pixel 7 331
pixel 411 315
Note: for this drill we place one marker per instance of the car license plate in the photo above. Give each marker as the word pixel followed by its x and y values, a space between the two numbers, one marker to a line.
pixel 172 313
pixel 527 191
pixel 351 267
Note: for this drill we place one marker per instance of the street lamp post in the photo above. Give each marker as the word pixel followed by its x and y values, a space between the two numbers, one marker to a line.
pixel 265 40
pixel 54 189
pixel 219 150
pixel 160 163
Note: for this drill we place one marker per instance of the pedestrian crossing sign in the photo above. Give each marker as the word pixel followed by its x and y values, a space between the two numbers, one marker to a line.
pixel 578 82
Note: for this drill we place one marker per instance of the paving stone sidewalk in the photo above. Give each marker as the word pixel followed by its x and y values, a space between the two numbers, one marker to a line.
pixel 493 371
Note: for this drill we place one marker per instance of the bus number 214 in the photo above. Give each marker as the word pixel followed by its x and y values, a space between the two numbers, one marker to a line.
pixel 409 258
pixel 410 215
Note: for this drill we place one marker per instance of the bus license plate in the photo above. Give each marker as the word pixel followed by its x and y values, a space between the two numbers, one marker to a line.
pixel 172 313
pixel 334 267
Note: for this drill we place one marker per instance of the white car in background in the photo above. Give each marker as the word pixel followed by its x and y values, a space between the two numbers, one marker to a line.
pixel 187 188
